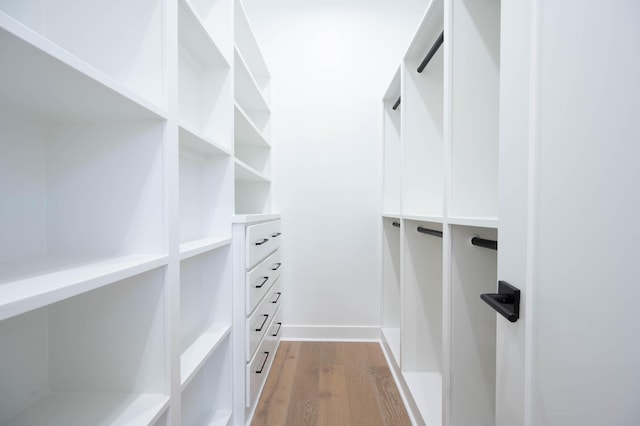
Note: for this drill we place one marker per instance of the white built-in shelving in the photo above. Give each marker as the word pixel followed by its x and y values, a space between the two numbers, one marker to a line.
pixel 439 157
pixel 252 149
pixel 118 170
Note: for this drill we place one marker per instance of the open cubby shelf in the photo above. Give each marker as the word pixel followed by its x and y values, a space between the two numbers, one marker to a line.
pixel 439 159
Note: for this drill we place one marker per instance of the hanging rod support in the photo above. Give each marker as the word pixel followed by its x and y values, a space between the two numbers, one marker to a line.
pixel 481 242
pixel 396 224
pixel 428 231
pixel 432 52
pixel 397 104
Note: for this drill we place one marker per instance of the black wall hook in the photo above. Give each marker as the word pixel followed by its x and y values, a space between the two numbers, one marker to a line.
pixel 506 302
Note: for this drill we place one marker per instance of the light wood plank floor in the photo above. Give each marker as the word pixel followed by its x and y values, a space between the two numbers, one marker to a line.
pixel 330 384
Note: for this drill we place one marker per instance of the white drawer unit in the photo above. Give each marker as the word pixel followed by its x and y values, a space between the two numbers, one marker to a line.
pixel 261 240
pixel 259 366
pixel 260 279
pixel 260 321
pixel 257 289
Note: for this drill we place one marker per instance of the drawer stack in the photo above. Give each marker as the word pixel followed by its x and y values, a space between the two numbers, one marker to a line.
pixel 258 269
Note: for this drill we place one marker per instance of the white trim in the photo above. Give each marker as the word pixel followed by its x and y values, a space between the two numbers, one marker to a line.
pixel 535 22
pixel 334 333
pixel 403 389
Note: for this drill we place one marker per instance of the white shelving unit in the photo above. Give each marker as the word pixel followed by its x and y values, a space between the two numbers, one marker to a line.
pixel 392 149
pixel 251 116
pixel 422 121
pixel 117 162
pixel 73 362
pixel 445 149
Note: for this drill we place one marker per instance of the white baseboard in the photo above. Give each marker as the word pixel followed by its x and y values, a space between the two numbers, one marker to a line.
pixel 331 333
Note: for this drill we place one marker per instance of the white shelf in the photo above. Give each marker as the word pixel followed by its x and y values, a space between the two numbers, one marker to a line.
pixel 194 357
pixel 205 80
pixel 489 222
pixel 81 409
pixel 195 35
pixel 245 173
pixel 255 218
pixel 426 391
pixel 248 95
pixel 392 215
pixel 137 32
pixel 206 398
pixel 55 280
pixel 205 194
pixel 196 247
pixel 423 218
pixel 246 133
pixel 198 141
pixel 220 418
pixel 46 82
pixel 246 42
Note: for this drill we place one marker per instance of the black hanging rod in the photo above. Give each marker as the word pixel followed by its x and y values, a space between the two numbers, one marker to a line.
pixel 396 224
pixel 429 231
pixel 432 52
pixel 481 242
pixel 397 104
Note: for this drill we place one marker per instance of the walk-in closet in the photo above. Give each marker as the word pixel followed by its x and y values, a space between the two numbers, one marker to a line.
pixel 217 212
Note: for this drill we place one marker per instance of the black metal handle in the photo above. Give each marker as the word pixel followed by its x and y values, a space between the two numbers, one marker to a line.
pixel 506 302
pixel 429 231
pixel 431 52
pixel 262 241
pixel 264 281
pixel 264 363
pixel 276 266
pixel 276 235
pixel 277 298
pixel 278 330
pixel 266 317
pixel 481 242
pixel 397 104
pixel 396 224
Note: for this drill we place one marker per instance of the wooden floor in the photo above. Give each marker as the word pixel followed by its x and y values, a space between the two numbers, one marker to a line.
pixel 330 384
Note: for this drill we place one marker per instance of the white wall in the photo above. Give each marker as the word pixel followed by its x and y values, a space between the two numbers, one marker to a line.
pixel 331 61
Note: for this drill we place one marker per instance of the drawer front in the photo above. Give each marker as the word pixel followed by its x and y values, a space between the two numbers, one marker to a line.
pixel 262 240
pixel 260 279
pixel 258 368
pixel 276 326
pixel 260 321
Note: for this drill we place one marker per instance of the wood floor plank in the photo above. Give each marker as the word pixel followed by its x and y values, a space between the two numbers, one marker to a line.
pixel 303 407
pixel 333 405
pixel 361 392
pixel 330 384
pixel 393 413
pixel 276 396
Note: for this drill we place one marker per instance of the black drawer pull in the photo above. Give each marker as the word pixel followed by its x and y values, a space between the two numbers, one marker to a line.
pixel 264 363
pixel 265 279
pixel 276 235
pixel 262 241
pixel 277 331
pixel 266 317
pixel 276 266
pixel 277 298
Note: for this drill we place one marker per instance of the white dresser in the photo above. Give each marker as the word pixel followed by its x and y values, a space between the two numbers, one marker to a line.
pixel 257 299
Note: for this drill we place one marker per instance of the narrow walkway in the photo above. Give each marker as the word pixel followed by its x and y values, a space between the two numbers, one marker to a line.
pixel 330 384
